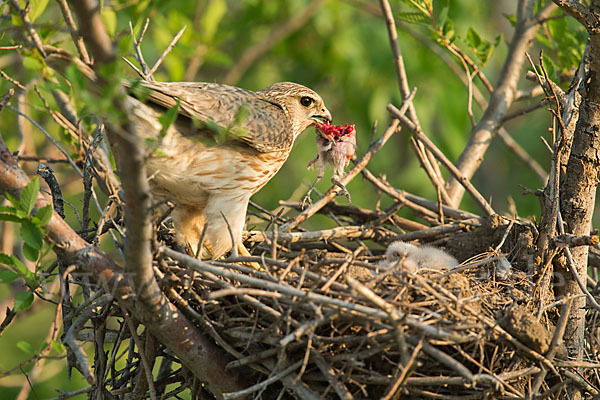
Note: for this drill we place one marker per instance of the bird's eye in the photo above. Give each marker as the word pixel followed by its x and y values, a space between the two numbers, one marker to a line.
pixel 306 101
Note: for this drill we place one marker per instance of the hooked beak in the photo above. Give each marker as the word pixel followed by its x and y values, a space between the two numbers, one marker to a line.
pixel 325 116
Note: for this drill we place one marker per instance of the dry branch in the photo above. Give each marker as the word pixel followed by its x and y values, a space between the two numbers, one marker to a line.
pixel 503 96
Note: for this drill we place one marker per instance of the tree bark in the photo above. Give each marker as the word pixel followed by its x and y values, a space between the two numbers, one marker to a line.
pixel 578 193
pixel 578 189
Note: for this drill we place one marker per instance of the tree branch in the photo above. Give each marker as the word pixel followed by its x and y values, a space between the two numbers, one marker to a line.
pixel 501 99
pixel 485 206
pixel 581 13
pixel 93 30
pixel 171 327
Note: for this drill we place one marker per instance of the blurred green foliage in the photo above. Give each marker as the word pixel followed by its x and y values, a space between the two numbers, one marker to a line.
pixel 342 52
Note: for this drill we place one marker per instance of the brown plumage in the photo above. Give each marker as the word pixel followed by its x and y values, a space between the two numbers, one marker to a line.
pixel 225 145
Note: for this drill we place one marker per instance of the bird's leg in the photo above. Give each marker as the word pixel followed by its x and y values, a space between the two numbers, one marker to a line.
pixel 321 172
pixel 339 184
pixel 307 199
pixel 312 162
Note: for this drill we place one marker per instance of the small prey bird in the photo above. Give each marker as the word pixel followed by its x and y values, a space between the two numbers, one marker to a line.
pixel 336 144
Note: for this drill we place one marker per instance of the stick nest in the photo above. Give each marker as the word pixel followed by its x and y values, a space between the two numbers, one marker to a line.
pixel 340 325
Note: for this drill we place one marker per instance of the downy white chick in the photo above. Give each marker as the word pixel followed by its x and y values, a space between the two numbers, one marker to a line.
pixel 414 257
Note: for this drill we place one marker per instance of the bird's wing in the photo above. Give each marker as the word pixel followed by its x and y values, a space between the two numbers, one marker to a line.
pixel 242 114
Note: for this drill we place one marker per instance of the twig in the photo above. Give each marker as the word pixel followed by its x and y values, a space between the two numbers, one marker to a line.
pixel 573 241
pixel 263 384
pixel 402 79
pixel 144 73
pixel 234 250
pixel 464 180
pixel 57 200
pixel 554 344
pixel 8 317
pixel 332 377
pixel 54 142
pixel 347 232
pixel 70 336
pixel 13 81
pixel 167 51
pixel 93 30
pixel 77 39
pixel 411 198
pixel 24 13
pixel 145 363
pixel 136 69
pixel 5 99
pixel 399 380
pixel 341 269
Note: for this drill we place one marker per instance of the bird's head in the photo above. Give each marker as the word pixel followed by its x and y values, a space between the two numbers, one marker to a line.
pixel 303 106
pixel 399 250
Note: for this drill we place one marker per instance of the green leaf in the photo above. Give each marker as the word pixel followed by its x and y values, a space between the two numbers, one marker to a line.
pixel 29 195
pixel 168 118
pixel 57 346
pixel 9 217
pixel 7 276
pixel 448 30
pixel 421 5
pixel 23 301
pixel 473 38
pixel 440 11
pixel 12 200
pixel 32 64
pixel 140 92
pixel 482 48
pixel 26 347
pixel 37 8
pixel 511 18
pixel 32 235
pixel 412 17
pixel 7 209
pixel 31 279
pixel 5 259
pixel 30 253
pixel 43 216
